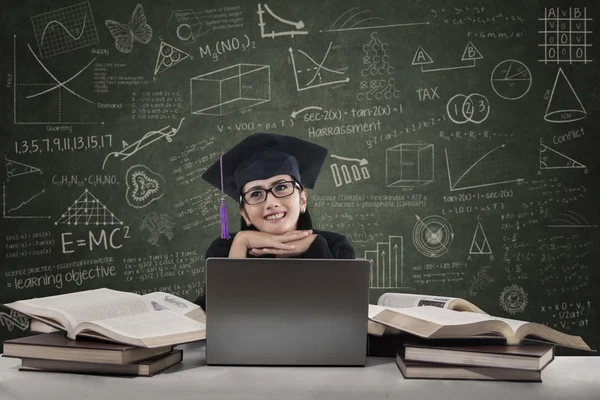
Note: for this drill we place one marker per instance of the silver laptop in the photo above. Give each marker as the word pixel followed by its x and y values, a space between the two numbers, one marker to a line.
pixel 277 311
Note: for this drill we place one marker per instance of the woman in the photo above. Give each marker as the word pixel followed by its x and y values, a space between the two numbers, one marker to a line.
pixel 267 175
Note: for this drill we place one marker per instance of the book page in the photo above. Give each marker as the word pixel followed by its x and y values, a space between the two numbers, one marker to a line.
pixel 147 325
pixel 513 323
pixel 439 316
pixel 167 301
pixel 406 300
pixel 91 305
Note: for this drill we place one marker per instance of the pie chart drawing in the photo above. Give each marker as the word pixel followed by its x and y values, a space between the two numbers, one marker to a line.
pixel 511 79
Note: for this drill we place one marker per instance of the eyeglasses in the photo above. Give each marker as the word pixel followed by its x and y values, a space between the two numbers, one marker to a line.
pixel 279 190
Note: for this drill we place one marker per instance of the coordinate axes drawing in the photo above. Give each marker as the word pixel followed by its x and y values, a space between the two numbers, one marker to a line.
pixel 387 264
pixel 454 185
pixel 295 26
pixel 30 101
pixel 66 29
pixel 315 74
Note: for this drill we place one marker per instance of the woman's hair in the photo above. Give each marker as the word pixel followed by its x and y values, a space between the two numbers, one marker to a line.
pixel 304 223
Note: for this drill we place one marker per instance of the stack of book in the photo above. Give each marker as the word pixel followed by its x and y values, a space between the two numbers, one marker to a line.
pixel 449 338
pixel 474 359
pixel 54 352
pixel 105 331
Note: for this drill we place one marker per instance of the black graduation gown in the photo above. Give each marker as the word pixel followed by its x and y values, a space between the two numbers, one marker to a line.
pixel 326 245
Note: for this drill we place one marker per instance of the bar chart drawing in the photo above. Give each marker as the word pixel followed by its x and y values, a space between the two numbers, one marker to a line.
pixel 387 264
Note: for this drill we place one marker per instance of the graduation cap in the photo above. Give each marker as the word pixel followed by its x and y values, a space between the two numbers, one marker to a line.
pixel 262 156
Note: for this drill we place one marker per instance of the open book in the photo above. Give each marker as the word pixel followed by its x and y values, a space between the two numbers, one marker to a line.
pixel 406 300
pixel 152 320
pixel 433 323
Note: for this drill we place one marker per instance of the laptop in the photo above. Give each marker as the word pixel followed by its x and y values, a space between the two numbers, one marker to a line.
pixel 286 311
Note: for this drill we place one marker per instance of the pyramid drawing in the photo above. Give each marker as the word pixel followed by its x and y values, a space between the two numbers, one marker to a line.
pixel 480 244
pixel 168 56
pixel 15 168
pixel 421 57
pixel 552 159
pixel 564 104
pixel 88 210
pixel 471 53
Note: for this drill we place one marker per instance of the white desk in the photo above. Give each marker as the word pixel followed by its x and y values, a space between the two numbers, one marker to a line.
pixel 567 378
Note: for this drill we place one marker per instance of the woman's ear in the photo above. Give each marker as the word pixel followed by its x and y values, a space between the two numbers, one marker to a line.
pixel 303 198
pixel 244 215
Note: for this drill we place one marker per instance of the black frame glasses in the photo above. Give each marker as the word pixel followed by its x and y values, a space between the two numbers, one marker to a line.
pixel 269 190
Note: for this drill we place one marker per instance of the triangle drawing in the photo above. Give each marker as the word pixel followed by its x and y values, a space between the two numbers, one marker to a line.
pixel 88 210
pixel 471 53
pixel 15 168
pixel 480 244
pixel 421 57
pixel 168 56
pixel 552 159
pixel 564 104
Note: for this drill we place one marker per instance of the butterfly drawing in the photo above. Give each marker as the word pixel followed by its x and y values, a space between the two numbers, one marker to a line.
pixel 138 29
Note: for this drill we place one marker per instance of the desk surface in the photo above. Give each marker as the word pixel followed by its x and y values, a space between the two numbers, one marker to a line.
pixel 572 378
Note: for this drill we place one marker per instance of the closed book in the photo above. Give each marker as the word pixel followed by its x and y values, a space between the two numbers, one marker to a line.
pixel 423 370
pixel 530 355
pixel 147 367
pixel 56 346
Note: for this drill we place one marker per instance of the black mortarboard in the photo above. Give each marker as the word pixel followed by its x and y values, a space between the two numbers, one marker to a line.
pixel 263 155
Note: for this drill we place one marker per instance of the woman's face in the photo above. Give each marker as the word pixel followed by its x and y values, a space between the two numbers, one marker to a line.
pixel 274 215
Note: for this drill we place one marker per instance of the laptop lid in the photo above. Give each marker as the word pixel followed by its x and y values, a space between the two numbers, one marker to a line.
pixel 286 311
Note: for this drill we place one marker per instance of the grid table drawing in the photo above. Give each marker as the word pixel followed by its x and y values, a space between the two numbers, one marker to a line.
pixel 565 35
pixel 65 29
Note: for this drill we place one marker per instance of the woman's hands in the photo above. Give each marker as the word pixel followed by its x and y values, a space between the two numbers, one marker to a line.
pixel 261 243
pixel 300 247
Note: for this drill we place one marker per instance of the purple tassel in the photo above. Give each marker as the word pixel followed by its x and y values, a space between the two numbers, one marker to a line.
pixel 223 209
pixel 223 219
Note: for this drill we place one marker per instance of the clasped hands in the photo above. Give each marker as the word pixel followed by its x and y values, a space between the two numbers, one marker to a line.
pixel 286 245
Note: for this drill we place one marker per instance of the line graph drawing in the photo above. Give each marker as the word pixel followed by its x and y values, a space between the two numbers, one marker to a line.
pixel 511 79
pixel 66 29
pixel 432 235
pixel 469 54
pixel 169 56
pixel 28 93
pixel 150 137
pixel 570 219
pixel 15 168
pixel 317 71
pixel 88 210
pixel 272 35
pixel 454 185
pixel 354 19
pixel 564 104
pixel 387 264
pixel 480 244
pixel 14 320
pixel 552 159
pixel 6 214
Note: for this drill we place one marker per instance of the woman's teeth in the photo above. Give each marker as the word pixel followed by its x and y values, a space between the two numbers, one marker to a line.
pixel 275 216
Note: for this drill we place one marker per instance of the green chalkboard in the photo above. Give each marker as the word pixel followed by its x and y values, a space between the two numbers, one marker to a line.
pixel 462 143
